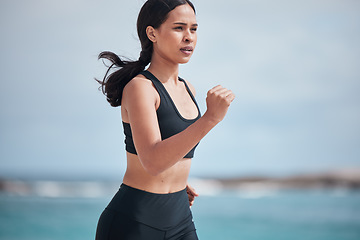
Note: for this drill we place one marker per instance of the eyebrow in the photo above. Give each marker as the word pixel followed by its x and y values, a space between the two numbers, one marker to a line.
pixel 184 24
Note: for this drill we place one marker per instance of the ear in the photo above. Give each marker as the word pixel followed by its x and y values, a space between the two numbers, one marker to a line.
pixel 150 32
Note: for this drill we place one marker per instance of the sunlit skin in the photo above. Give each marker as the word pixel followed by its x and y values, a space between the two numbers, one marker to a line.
pixel 159 166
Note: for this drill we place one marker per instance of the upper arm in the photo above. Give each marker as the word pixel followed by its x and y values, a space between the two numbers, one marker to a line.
pixel 139 100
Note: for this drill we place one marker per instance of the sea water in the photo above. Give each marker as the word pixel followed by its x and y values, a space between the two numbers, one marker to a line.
pixel 290 214
pixel 284 215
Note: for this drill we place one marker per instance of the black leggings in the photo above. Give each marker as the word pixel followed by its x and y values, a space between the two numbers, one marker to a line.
pixel 136 214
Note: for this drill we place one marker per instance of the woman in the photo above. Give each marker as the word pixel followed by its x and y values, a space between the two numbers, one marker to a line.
pixel 162 126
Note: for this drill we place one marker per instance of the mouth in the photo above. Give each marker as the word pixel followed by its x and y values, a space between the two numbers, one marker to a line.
pixel 187 50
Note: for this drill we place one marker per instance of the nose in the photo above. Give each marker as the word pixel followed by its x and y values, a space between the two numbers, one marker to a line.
pixel 188 36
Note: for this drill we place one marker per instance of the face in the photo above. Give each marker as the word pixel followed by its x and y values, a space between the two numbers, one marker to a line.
pixel 175 39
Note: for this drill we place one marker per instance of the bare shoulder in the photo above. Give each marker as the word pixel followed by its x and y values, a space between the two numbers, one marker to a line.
pixel 139 89
pixel 137 83
pixel 192 88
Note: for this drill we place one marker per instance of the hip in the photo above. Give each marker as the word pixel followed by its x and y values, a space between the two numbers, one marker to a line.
pixel 162 211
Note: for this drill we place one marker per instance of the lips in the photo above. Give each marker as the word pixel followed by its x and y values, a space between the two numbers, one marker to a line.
pixel 187 50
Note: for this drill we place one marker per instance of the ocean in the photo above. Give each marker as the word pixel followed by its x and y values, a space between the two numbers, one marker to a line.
pixel 314 214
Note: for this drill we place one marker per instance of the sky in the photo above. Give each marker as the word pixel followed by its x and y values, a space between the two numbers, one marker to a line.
pixel 293 65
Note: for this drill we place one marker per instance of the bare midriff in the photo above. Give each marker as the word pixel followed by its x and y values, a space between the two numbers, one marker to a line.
pixel 173 179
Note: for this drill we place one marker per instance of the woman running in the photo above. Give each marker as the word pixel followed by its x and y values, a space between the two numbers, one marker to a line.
pixel 162 126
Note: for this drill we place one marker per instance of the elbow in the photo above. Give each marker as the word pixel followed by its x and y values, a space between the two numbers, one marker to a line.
pixel 152 170
pixel 151 167
pixel 154 161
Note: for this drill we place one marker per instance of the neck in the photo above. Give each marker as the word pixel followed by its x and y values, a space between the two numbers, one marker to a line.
pixel 164 70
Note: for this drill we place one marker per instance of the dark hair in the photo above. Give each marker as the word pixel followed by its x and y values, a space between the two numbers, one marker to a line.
pixel 153 13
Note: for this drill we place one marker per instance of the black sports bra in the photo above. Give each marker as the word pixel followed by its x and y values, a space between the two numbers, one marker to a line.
pixel 170 120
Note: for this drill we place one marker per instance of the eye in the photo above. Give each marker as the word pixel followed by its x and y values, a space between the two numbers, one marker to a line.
pixel 178 28
pixel 194 29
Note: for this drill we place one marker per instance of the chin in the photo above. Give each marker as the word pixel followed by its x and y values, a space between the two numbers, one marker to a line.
pixel 183 61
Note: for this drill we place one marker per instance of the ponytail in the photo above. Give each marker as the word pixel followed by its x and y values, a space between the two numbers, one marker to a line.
pixel 113 85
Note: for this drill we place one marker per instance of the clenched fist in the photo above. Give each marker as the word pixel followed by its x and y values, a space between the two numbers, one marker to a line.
pixel 218 101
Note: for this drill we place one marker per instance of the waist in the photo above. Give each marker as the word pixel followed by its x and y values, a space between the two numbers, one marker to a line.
pixel 162 211
pixel 171 180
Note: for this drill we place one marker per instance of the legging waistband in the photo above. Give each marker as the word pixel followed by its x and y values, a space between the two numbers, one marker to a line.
pixel 162 211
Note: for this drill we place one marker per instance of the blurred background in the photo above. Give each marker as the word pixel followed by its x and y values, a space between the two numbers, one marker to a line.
pixel 284 163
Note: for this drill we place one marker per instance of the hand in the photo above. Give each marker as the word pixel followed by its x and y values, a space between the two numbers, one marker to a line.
pixel 191 194
pixel 218 101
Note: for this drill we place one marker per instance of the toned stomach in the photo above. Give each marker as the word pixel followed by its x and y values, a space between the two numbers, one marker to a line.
pixel 171 180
